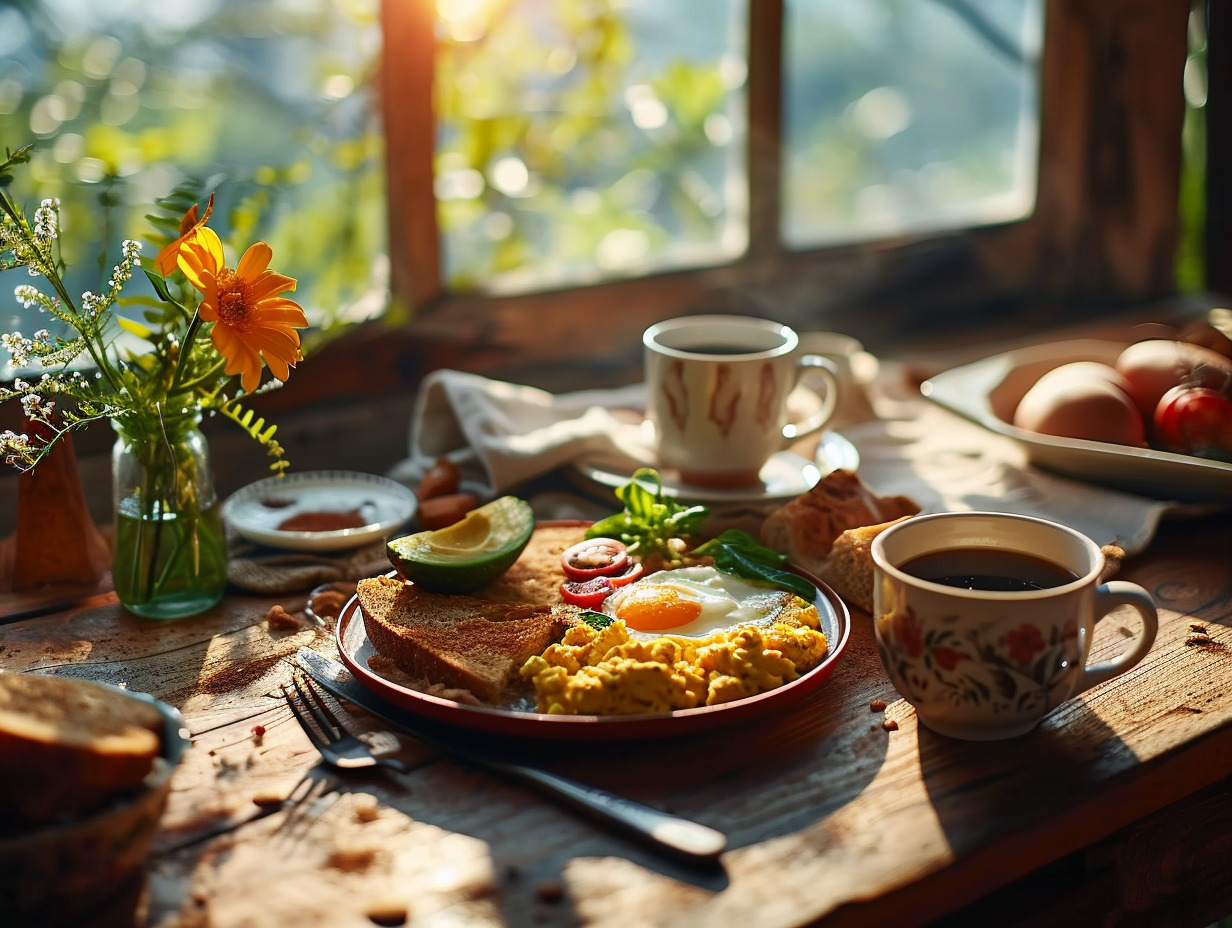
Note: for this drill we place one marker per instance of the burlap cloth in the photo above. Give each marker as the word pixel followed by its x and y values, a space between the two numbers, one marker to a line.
pixel 257 569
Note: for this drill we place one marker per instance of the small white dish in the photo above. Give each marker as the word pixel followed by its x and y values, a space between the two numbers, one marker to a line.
pixel 988 391
pixel 258 510
pixel 785 475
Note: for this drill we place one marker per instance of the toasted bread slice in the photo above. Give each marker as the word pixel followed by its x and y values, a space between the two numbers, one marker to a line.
pixel 69 747
pixel 537 574
pixel 456 640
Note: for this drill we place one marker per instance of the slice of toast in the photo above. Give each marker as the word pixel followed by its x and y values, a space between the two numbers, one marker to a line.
pixel 537 574
pixel 460 641
pixel 69 747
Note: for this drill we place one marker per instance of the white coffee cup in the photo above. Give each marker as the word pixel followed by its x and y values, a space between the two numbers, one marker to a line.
pixel 983 663
pixel 716 395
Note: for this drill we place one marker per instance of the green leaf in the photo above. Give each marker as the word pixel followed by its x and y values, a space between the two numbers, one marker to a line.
pixel 596 620
pixel 737 552
pixel 650 522
pixel 159 283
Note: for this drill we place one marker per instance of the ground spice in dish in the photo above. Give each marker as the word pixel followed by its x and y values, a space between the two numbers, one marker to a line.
pixel 322 521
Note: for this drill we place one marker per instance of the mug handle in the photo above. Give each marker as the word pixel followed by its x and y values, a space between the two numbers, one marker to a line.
pixel 829 398
pixel 1107 597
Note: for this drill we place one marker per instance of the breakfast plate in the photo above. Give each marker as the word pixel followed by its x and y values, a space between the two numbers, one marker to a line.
pixel 325 510
pixel 784 476
pixel 355 649
pixel 988 391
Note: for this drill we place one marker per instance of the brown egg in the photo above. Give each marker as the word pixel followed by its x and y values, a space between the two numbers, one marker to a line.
pixel 1155 366
pixel 1083 399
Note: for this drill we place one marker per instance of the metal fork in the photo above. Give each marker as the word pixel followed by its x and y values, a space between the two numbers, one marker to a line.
pixel 338 747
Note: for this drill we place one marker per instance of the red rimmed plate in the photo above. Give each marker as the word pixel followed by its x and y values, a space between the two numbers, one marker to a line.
pixel 355 649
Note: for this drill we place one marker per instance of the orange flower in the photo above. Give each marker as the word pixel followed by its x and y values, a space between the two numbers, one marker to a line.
pixel 252 322
pixel 169 256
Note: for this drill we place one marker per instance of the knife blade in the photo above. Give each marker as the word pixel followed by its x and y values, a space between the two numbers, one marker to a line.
pixel 677 835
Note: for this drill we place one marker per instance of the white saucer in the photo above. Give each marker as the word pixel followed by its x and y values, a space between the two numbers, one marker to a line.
pixel 785 476
pixel 256 511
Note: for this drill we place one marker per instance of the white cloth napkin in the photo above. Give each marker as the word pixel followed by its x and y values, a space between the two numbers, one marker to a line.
pixel 501 434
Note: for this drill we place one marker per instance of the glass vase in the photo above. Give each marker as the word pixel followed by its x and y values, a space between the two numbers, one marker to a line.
pixel 170 551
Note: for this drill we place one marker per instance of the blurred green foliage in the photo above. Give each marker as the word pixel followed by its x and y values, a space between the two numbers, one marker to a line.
pixel 566 151
pixel 270 104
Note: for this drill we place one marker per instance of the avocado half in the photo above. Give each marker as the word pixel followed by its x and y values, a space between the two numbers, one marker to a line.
pixel 469 554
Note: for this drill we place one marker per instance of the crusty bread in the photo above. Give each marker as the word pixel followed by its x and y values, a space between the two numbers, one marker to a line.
pixel 848 568
pixel 460 641
pixel 537 574
pixel 806 528
pixel 69 747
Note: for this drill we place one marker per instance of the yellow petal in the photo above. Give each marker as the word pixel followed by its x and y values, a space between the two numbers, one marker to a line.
pixel 256 259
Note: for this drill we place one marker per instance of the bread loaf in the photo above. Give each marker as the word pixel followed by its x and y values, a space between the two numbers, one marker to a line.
pixel 806 528
pixel 69 747
pixel 848 568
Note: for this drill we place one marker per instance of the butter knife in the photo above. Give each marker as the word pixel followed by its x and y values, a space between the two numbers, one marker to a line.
pixel 668 832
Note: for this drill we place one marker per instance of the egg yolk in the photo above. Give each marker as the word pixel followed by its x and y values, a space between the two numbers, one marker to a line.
pixel 655 609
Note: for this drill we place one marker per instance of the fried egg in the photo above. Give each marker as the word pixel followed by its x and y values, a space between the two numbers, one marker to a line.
pixel 695 602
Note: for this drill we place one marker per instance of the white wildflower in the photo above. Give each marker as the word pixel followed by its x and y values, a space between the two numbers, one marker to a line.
pixel 47 221
pixel 29 295
pixel 18 347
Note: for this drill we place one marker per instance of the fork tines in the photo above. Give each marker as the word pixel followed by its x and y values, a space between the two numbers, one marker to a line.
pixel 314 717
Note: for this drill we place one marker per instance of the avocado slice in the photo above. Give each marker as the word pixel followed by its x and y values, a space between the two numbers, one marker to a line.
pixel 462 557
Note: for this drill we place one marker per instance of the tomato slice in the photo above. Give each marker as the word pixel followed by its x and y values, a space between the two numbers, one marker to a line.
pixel 589 594
pixel 594 557
pixel 633 570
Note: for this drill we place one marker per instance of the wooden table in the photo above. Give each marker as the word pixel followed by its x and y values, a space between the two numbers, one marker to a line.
pixel 1119 806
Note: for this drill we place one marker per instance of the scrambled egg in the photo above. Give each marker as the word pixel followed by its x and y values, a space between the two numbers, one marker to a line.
pixel 606 672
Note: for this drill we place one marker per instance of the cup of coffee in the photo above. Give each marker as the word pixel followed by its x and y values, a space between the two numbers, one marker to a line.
pixel 716 395
pixel 984 620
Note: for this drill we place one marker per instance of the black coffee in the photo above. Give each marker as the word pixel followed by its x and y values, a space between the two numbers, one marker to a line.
pixel 990 569
pixel 721 349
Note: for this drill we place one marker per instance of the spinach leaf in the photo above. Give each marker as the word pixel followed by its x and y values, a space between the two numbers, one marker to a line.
pixel 737 552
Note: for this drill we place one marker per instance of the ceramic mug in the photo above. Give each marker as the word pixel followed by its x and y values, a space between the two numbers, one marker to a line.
pixel 716 395
pixel 984 620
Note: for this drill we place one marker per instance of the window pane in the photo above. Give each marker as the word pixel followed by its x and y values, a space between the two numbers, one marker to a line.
pixel 268 102
pixel 908 116
pixel 583 141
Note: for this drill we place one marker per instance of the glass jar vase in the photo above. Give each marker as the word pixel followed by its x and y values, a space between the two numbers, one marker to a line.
pixel 170 551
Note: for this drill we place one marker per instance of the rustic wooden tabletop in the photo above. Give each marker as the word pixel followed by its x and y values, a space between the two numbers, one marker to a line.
pixel 837 812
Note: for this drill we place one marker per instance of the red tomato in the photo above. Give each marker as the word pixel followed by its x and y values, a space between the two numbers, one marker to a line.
pixel 1192 419
pixel 589 594
pixel 633 570
pixel 594 557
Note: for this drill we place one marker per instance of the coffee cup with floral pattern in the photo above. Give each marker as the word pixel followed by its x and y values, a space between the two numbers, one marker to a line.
pixel 984 620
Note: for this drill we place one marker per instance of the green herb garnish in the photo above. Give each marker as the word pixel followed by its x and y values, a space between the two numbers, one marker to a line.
pixel 650 522
pixel 596 620
pixel 739 553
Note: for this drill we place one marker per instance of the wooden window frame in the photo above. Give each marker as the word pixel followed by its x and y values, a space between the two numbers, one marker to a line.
pixel 1103 234
pixel 1101 240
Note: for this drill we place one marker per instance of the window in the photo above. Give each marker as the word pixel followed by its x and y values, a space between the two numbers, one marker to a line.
pixel 1066 201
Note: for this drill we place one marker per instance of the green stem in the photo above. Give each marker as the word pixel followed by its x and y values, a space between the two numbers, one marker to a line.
pixel 181 363
pixel 205 378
